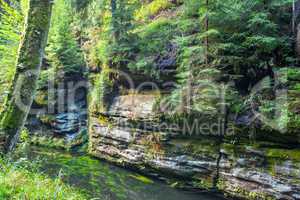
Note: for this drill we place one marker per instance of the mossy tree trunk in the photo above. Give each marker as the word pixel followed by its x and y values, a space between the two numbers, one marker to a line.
pixel 30 55
pixel 206 38
pixel 296 27
pixel 298 42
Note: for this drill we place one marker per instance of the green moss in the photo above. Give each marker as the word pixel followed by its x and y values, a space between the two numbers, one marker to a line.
pixel 239 192
pixel 47 119
pixel 41 98
pixel 101 91
pixel 196 147
pixel 293 74
pixel 60 143
pixel 142 179
pixel 103 120
pixel 203 183
pixel 284 154
pixel 51 142
pixel 253 195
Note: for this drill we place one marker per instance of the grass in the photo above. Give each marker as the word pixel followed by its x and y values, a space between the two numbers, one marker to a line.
pixel 22 183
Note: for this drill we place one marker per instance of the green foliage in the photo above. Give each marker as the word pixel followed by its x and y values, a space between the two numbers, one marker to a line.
pixel 44 78
pixel 192 8
pixel 153 40
pixel 158 32
pixel 50 142
pixel 102 88
pixel 18 182
pixel 243 40
pixel 293 74
pixel 63 51
pixel 79 5
pixel 24 136
pixel 152 9
pixel 252 35
pixel 11 22
pixel 123 40
pixel 281 154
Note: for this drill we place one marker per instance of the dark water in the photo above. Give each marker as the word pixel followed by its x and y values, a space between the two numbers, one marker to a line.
pixel 104 181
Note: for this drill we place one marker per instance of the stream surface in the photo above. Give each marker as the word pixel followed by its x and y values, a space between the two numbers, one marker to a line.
pixel 103 181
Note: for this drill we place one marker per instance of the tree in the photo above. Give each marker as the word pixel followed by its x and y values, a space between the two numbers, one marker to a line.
pixel 252 38
pixel 63 51
pixel 31 52
pixel 113 5
pixel 296 26
pixel 121 26
pixel 206 29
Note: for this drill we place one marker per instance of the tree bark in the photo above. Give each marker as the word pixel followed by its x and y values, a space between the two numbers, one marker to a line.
pixel 30 55
pixel 296 27
pixel 113 5
pixel 298 42
pixel 206 38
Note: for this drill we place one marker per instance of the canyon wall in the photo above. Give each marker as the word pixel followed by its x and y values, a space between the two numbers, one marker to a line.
pixel 129 133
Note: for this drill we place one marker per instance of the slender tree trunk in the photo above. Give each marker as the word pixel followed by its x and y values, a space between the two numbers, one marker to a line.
pixel 294 17
pixel 28 66
pixel 113 5
pixel 223 131
pixel 296 28
pixel 206 38
pixel 297 38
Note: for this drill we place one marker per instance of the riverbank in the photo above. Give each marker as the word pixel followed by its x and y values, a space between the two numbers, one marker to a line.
pixel 100 180
pixel 21 181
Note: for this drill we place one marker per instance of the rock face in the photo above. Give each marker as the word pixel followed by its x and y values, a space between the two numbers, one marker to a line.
pixel 253 172
pixel 67 122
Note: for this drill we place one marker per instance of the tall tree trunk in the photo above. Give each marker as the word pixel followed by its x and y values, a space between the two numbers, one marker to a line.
pixel 296 27
pixel 294 17
pixel 297 38
pixel 113 5
pixel 28 66
pixel 206 38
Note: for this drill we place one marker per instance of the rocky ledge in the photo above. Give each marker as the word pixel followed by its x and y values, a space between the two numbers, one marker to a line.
pixel 260 171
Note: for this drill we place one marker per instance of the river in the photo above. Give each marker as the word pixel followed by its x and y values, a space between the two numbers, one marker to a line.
pixel 104 181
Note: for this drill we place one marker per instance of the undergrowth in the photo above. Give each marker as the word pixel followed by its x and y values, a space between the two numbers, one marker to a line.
pixel 23 182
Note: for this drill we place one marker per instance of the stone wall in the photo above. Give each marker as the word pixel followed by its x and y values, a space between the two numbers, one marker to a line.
pixel 127 134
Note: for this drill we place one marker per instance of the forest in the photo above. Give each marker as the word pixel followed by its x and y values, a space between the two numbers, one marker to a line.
pixel 149 99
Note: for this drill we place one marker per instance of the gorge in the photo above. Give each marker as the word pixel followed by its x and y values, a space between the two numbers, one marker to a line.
pixel 158 99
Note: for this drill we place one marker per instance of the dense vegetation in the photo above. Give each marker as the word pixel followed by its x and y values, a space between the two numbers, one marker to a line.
pixel 21 181
pixel 186 41
pixel 221 59
pixel 201 46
